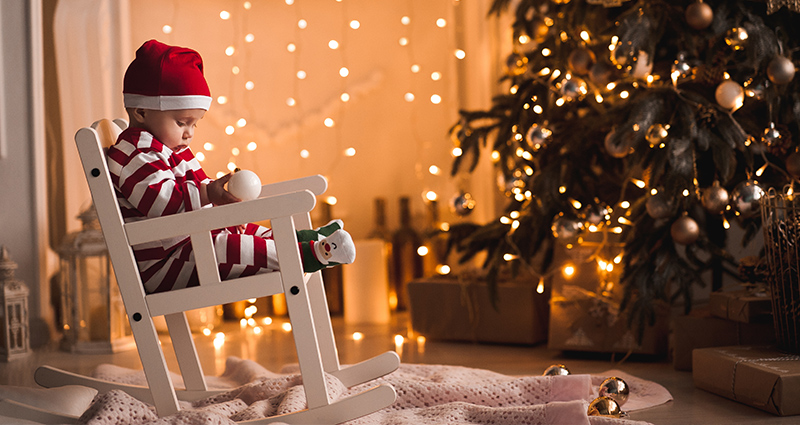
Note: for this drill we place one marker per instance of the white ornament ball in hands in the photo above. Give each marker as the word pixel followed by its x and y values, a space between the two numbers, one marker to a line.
pixel 730 95
pixel 245 185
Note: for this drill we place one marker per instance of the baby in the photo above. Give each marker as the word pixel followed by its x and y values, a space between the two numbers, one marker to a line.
pixel 155 174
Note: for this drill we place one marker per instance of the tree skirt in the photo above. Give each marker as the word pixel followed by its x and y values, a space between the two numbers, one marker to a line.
pixel 425 394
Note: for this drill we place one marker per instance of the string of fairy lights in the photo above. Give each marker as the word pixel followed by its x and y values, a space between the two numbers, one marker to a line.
pixel 245 134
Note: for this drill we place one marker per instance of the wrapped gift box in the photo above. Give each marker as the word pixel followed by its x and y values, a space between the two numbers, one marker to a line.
pixel 699 329
pixel 581 320
pixel 761 377
pixel 741 306
pixel 449 309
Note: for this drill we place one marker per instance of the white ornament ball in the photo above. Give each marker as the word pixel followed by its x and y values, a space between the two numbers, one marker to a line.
pixel 730 94
pixel 245 185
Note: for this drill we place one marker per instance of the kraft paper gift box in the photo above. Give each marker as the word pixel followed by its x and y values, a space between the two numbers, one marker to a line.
pixel 581 320
pixel 699 329
pixel 449 309
pixel 761 377
pixel 741 306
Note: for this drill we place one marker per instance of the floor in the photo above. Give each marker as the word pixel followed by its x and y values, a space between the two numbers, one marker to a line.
pixel 273 347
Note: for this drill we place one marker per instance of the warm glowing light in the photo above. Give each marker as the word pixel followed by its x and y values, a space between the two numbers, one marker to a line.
pixel 345 97
pixel 639 183
pixel 568 270
pixel 208 146
pixel 576 204
pixel 333 44
pixel 358 336
pixel 403 41
pixel 436 76
pixel 220 174
pixel 235 70
pixel 249 85
pixel 436 99
pixel 266 321
pixel 546 52
pixel 434 170
pixel 760 171
pixel 344 72
pixel 222 100
pixel 523 39
pixel 331 200
pixel 443 269
pixel 200 156
pixel 405 20
pixel 304 153
pixel 431 195
pixel 291 102
pixel 495 156
pixel 460 54
pixel 441 23
pixel 229 130
pixel 399 340
pixel 286 326
pixel 230 50
pixel 350 152
pixel 624 94
pixel 166 29
pixel 219 342
pixel 243 323
pixel 624 204
pixel 585 35
pixel 301 75
pixel 249 38
pixel 538 109
pixel 302 24
pixel 355 24
pixel 685 193
pixel 328 122
pixel 415 68
pixel 509 257
pixel 291 47
pixel 562 189
pixel 725 223
pixel 457 152
pixel 224 15
pixel 422 251
pixel 231 166
pixel 257 330
pixel 235 151
pixel 206 331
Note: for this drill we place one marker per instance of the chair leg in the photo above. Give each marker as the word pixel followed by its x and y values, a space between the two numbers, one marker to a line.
pixel 322 323
pixel 186 352
pixel 155 367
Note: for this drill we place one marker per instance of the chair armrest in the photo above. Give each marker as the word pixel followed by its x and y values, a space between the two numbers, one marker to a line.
pixel 316 184
pixel 207 219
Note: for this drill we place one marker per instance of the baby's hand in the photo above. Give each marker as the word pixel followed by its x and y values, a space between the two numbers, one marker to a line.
pixel 217 194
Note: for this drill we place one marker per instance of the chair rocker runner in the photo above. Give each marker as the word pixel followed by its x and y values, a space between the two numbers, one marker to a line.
pixel 287 205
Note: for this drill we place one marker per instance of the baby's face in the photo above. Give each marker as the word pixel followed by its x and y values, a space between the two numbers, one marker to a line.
pixel 174 129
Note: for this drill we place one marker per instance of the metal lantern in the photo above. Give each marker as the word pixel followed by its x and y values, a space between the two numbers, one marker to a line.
pixel 92 313
pixel 14 332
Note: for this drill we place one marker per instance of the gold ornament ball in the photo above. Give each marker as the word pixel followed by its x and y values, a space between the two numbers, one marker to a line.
pixel 793 164
pixel 656 134
pixel 658 206
pixel 685 230
pixel 604 406
pixel 616 146
pixel 730 94
pixel 780 70
pixel 715 199
pixel 746 197
pixel 699 15
pixel 737 38
pixel 615 388
pixel 556 370
pixel 581 60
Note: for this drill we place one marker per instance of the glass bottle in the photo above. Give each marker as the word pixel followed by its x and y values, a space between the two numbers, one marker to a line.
pixel 407 262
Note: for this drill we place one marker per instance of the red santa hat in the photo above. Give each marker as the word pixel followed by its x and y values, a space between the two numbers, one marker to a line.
pixel 166 78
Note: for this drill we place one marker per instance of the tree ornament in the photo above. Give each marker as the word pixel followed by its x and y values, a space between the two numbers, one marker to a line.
pixel 581 60
pixel 681 68
pixel 556 370
pixel 736 38
pixel 658 206
pixel 573 88
pixel 604 406
pixel 616 389
pixel 463 204
pixel 715 198
pixel 793 164
pixel 566 229
pixel 656 134
pixel 746 198
pixel 616 146
pixel 602 73
pixel 780 70
pixel 684 230
pixel 772 137
pixel 516 64
pixel 699 15
pixel 245 185
pixel 537 136
pixel 730 95
pixel 596 213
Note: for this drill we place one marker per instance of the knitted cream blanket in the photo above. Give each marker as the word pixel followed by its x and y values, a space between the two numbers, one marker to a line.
pixel 433 394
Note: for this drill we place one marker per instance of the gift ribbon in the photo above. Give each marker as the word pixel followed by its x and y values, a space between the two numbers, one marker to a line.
pixel 763 359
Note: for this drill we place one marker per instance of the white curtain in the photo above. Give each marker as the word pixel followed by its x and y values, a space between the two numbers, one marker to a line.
pixel 92 50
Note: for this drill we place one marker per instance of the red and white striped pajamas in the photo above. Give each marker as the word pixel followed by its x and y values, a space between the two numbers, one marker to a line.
pixel 152 181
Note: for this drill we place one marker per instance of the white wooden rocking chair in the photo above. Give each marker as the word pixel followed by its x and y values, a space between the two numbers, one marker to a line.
pixel 287 206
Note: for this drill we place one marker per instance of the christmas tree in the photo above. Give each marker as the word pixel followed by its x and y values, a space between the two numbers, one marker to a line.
pixel 654 122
